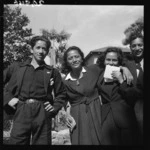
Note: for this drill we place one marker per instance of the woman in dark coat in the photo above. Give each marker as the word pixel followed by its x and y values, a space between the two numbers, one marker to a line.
pixel 119 126
pixel 82 92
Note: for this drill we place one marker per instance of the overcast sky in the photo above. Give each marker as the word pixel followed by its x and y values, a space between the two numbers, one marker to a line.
pixel 91 26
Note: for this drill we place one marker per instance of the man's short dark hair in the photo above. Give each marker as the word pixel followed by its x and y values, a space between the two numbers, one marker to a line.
pixel 40 38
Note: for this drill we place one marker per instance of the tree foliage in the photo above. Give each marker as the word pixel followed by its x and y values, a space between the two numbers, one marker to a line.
pixel 16 35
pixel 135 29
pixel 53 35
pixel 59 43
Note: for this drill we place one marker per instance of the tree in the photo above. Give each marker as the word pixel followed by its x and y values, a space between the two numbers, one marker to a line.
pixel 136 28
pixel 59 44
pixel 16 35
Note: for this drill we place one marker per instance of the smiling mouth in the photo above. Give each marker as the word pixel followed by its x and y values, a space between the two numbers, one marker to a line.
pixel 75 64
pixel 138 53
pixel 39 55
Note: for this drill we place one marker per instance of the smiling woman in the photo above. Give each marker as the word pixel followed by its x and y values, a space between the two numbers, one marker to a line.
pixel 119 126
pixel 82 93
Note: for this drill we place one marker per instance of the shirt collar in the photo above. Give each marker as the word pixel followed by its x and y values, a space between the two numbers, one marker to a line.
pixel 73 79
pixel 28 62
pixel 142 64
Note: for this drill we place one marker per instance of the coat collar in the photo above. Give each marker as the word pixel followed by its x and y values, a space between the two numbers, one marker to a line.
pixel 132 67
pixel 28 62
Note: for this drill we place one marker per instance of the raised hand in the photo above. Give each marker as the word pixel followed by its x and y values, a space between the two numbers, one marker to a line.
pixel 117 75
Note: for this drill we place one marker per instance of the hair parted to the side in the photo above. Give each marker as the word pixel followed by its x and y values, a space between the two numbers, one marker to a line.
pixel 101 59
pixel 40 38
pixel 135 30
pixel 65 68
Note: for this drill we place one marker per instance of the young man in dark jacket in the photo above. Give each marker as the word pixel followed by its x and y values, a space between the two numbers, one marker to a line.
pixel 29 96
pixel 136 66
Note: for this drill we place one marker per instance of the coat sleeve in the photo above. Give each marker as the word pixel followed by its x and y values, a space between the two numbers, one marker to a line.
pixel 130 93
pixel 10 78
pixel 7 73
pixel 9 90
pixel 59 93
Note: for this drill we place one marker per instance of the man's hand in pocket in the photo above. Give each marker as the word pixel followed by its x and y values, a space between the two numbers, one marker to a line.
pixel 48 107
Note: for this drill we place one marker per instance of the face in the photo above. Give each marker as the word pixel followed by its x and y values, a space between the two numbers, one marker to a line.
pixel 74 59
pixel 39 51
pixel 137 47
pixel 111 59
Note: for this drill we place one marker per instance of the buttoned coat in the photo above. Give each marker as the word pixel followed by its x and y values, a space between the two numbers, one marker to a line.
pixel 85 107
pixel 118 118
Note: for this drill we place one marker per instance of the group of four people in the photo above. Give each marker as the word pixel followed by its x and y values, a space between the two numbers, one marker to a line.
pixel 101 110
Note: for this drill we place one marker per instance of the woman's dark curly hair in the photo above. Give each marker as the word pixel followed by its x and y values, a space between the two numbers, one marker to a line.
pixel 40 38
pixel 101 58
pixel 65 67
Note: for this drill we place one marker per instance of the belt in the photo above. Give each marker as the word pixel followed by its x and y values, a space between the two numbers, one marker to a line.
pixel 85 100
pixel 29 101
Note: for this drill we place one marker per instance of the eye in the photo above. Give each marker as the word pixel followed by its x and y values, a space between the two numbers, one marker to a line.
pixel 133 46
pixel 107 59
pixel 69 58
pixel 77 56
pixel 38 47
pixel 44 48
pixel 140 45
pixel 115 60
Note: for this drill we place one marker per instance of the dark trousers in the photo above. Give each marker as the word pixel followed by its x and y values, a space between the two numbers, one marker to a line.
pixel 32 125
pixel 115 133
pixel 139 116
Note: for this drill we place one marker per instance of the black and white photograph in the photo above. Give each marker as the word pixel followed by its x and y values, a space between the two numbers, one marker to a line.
pixel 73 74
